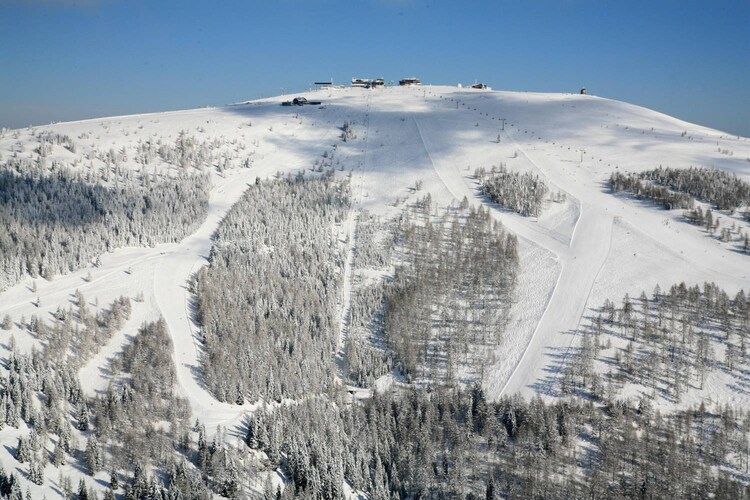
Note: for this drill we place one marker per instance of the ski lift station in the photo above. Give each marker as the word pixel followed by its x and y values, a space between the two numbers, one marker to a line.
pixel 368 82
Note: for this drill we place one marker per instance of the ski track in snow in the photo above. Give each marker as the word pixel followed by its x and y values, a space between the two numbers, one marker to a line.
pixel 350 231
pixel 173 300
pixel 581 262
pixel 458 187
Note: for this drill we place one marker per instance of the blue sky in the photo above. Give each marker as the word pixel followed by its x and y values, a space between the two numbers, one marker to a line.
pixel 71 59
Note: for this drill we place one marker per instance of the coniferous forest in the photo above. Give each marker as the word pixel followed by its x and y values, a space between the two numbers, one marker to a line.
pixel 448 442
pixel 723 189
pixel 138 433
pixel 671 342
pixel 442 440
pixel 635 184
pixel 267 303
pixel 455 444
pixel 54 220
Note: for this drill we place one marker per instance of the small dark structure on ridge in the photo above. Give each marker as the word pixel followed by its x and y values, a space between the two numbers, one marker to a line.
pixel 361 82
pixel 300 101
pixel 368 83
pixel 409 81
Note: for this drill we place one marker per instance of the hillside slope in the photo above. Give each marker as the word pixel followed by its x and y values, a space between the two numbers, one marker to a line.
pixel 587 246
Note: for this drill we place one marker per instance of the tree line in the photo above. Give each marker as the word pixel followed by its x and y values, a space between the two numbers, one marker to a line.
pixel 723 189
pixel 454 443
pixel 54 223
pixel 676 188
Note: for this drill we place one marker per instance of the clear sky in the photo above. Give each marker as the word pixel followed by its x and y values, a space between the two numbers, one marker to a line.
pixel 71 59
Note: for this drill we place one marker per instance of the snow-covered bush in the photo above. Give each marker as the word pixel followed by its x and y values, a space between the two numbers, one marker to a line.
pixel 645 189
pixel 722 189
pixel 523 193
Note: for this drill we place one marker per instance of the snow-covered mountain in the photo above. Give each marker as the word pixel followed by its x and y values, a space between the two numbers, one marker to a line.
pixel 394 145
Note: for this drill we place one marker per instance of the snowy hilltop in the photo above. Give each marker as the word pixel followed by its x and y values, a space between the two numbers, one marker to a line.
pixel 362 292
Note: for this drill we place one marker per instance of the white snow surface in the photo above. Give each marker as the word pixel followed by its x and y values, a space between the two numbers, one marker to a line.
pixel 579 252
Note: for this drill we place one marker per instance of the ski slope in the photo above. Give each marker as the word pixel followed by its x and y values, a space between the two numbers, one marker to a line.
pixel 437 135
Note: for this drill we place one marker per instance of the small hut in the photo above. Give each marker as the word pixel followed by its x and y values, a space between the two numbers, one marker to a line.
pixel 361 82
pixel 409 81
